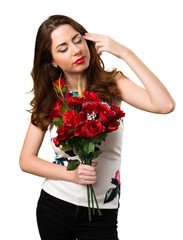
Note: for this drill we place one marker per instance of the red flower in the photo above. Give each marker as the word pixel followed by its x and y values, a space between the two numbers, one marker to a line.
pixel 91 107
pixel 106 113
pixel 111 126
pixel 73 101
pixel 89 129
pixel 80 130
pixel 64 132
pixel 94 128
pixel 59 84
pixel 82 124
pixel 91 96
pixel 79 118
pixel 119 113
pixel 56 111
pixel 68 118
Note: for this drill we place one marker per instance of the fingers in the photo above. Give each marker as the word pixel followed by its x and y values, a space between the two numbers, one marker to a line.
pixel 94 37
pixel 86 174
pixel 100 41
pixel 103 43
pixel 94 164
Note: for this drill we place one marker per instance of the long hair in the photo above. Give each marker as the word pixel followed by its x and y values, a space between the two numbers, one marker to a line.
pixel 44 73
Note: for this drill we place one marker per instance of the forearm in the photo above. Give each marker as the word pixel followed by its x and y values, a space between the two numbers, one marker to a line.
pixel 156 91
pixel 84 174
pixel 45 169
pixel 31 163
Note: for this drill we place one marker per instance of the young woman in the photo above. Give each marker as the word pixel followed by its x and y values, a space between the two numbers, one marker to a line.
pixel 64 48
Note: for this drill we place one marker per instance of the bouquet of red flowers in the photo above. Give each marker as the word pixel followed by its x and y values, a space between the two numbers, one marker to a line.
pixel 83 121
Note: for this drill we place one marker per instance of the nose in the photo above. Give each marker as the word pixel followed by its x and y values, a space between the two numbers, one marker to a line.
pixel 75 49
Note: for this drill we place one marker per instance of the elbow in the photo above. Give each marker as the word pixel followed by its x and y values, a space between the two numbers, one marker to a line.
pixel 22 164
pixel 168 107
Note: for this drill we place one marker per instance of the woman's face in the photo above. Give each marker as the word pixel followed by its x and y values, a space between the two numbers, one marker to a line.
pixel 69 50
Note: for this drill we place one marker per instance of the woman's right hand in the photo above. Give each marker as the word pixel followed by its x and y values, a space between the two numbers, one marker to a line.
pixel 86 174
pixel 31 163
pixel 104 43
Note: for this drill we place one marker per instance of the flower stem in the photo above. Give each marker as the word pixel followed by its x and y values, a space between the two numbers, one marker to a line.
pixel 89 207
pixel 96 202
pixel 92 200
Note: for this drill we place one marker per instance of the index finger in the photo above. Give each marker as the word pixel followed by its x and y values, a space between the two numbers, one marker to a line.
pixel 92 36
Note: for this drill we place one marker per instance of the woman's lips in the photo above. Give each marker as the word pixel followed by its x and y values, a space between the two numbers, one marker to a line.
pixel 80 60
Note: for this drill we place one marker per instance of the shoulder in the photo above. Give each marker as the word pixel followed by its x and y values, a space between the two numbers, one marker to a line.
pixel 35 131
pixel 120 78
pixel 124 84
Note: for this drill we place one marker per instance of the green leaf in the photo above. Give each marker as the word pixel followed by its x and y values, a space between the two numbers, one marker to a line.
pixel 65 107
pixel 66 148
pixel 57 122
pixel 88 147
pixel 96 154
pixel 73 164
pixel 100 138
pixel 110 195
pixel 115 181
pixel 64 89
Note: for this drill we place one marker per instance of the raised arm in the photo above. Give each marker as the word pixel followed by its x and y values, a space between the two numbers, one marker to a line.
pixel 153 97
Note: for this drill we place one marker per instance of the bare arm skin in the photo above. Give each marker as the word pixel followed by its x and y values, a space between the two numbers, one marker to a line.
pixel 31 163
pixel 154 97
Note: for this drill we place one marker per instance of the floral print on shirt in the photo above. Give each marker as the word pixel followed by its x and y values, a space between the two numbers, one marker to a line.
pixel 113 192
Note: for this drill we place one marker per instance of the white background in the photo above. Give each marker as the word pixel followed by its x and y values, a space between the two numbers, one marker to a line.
pixel 152 162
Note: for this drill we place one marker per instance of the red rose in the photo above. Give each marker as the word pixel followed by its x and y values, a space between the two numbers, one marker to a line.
pixel 119 112
pixel 111 126
pixel 56 111
pixel 91 96
pixel 106 113
pixel 79 118
pixel 64 132
pixel 91 128
pixel 94 128
pixel 59 83
pixel 56 141
pixel 83 122
pixel 60 86
pixel 68 118
pixel 91 107
pixel 73 101
pixel 80 130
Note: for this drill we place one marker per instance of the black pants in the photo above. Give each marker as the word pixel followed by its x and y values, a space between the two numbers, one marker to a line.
pixel 59 220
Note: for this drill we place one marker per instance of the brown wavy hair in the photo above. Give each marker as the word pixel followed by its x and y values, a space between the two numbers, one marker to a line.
pixel 43 73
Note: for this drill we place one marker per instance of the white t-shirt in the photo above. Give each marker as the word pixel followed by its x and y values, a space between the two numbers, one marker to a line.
pixel 108 175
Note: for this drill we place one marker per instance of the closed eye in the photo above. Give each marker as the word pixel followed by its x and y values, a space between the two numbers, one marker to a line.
pixel 63 47
pixel 77 39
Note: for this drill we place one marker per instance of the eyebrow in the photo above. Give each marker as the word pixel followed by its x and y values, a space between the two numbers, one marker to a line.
pixel 62 44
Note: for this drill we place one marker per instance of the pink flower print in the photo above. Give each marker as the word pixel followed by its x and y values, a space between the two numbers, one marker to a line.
pixel 114 191
pixel 117 176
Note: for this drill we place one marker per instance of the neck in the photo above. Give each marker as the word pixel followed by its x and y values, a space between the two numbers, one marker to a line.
pixel 76 84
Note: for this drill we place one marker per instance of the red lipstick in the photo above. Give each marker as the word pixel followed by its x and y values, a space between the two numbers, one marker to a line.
pixel 80 60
